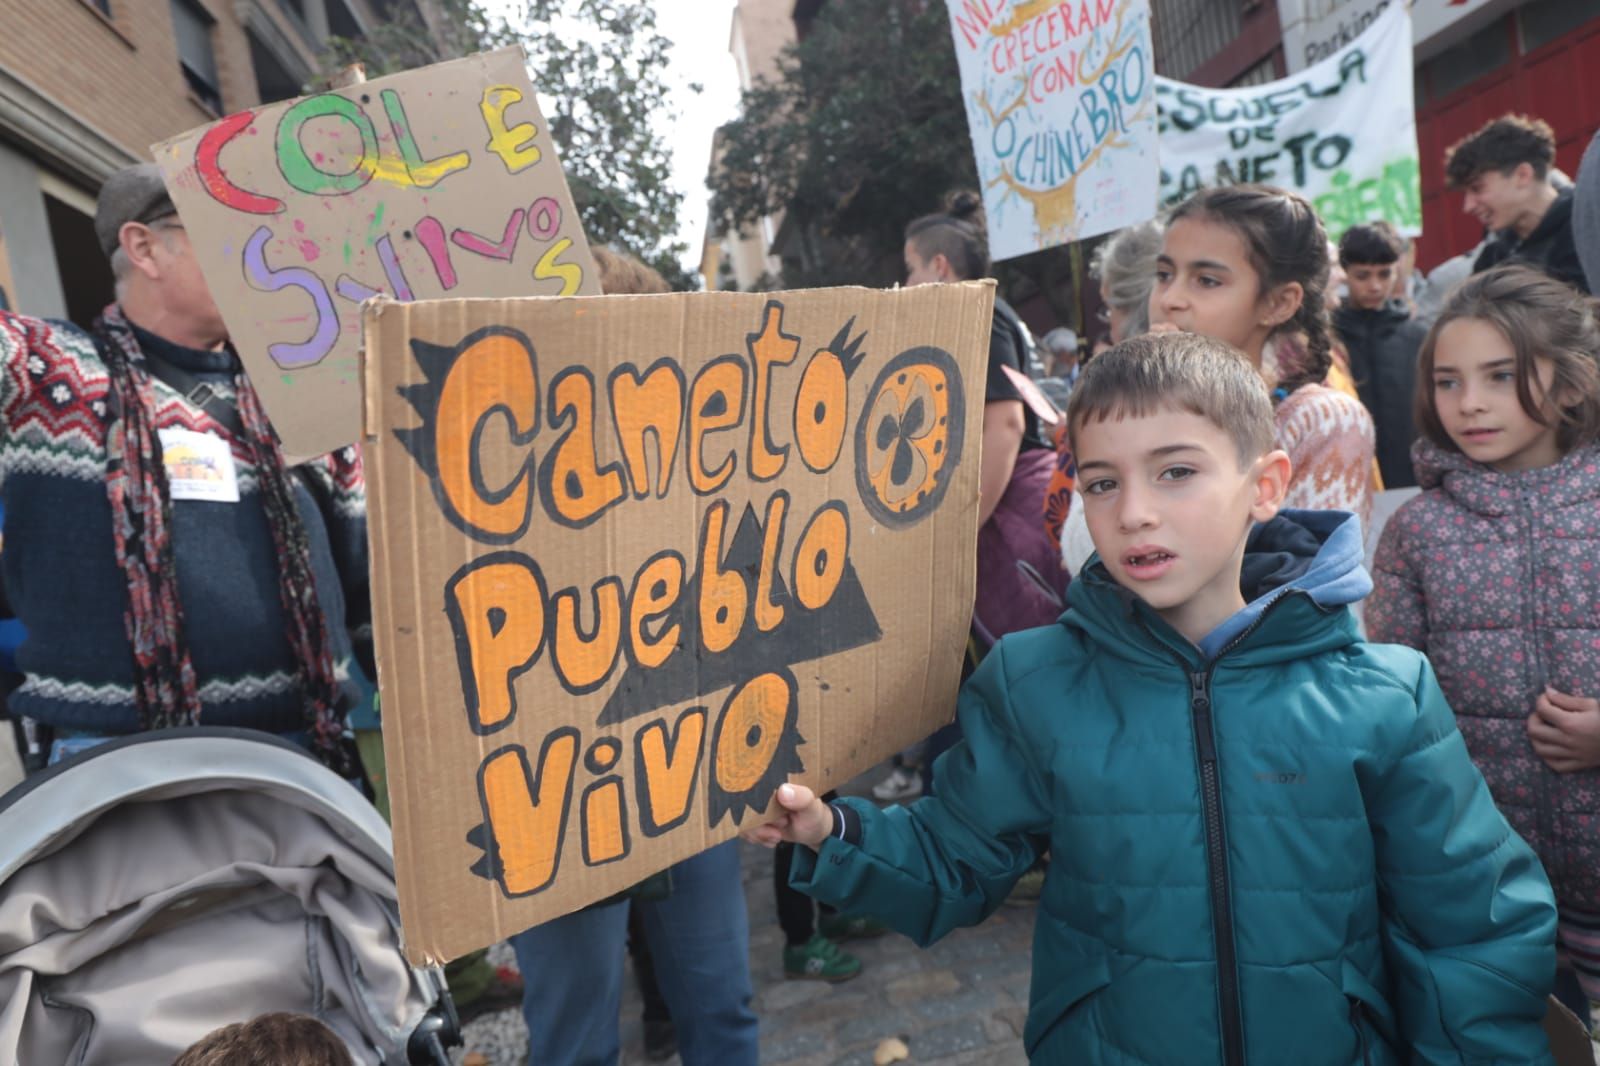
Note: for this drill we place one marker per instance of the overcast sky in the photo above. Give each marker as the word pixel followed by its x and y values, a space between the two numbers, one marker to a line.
pixel 698 30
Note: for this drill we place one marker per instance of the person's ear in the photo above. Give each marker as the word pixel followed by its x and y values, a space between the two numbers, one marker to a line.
pixel 1563 397
pixel 138 243
pixel 1272 473
pixel 1282 304
pixel 941 267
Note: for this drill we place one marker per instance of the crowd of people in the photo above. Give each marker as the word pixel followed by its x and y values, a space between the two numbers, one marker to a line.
pixel 1172 731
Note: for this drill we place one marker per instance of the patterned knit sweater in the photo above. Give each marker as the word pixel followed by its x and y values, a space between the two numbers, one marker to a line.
pixel 60 566
pixel 1330 440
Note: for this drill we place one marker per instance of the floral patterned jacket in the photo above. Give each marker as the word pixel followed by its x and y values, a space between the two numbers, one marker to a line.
pixel 1497 578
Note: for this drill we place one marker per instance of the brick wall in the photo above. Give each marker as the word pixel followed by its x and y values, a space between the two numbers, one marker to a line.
pixel 121 74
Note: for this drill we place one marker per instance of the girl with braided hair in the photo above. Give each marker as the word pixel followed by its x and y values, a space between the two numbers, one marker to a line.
pixel 1248 264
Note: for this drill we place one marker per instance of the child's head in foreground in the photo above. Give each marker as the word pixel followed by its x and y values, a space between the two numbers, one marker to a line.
pixel 270 1040
pixel 1173 436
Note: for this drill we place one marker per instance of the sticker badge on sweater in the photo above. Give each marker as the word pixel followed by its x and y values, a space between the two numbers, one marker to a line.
pixel 199 466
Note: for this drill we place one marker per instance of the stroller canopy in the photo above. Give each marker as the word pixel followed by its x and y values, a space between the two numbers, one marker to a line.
pixel 159 886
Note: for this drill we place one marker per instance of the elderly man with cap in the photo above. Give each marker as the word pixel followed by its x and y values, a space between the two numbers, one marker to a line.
pixel 170 569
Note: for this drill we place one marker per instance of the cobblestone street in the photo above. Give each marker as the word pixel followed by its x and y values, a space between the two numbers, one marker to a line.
pixel 962 1001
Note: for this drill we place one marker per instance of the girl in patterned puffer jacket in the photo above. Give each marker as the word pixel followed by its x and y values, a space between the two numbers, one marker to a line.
pixel 1494 570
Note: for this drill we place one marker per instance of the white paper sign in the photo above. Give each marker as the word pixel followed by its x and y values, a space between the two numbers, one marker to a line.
pixel 1342 133
pixel 1060 103
pixel 199 466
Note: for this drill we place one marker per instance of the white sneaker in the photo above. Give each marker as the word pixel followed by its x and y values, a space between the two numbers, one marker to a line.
pixel 899 785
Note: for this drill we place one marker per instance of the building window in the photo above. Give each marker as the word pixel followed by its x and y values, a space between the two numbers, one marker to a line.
pixel 273 81
pixel 1260 74
pixel 102 6
pixel 1483 53
pixel 297 8
pixel 1544 21
pixel 191 26
pixel 1187 33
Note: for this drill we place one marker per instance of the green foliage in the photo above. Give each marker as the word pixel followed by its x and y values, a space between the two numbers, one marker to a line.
pixel 598 66
pixel 864 131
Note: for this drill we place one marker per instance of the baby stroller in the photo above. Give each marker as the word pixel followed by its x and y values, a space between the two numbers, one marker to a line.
pixel 159 886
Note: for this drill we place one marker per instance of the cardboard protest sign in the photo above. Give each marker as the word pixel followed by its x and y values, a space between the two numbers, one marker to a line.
pixel 1060 105
pixel 1343 133
pixel 439 181
pixel 638 560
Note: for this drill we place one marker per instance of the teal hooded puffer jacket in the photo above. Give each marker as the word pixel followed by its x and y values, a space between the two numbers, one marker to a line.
pixel 1282 855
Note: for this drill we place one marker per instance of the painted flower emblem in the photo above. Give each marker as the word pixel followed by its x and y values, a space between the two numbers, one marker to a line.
pixel 909 439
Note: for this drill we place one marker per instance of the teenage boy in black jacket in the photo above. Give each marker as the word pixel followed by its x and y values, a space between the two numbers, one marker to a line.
pixel 1503 171
pixel 1382 339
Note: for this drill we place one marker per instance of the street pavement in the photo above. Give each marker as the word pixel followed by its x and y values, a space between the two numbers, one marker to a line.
pixel 961 1002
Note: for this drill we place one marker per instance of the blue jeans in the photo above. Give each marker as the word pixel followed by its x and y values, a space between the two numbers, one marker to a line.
pixel 700 940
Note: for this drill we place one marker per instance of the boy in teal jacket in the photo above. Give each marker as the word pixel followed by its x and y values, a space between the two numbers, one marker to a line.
pixel 1268 843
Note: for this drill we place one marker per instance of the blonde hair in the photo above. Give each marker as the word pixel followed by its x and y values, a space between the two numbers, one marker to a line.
pixel 622 274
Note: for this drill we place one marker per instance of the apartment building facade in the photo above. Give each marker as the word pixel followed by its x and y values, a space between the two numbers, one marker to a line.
pixel 759 32
pixel 87 86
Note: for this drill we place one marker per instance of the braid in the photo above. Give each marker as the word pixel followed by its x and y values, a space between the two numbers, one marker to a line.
pixel 1317 357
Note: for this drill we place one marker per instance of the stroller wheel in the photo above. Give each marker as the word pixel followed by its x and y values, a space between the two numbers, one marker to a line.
pixel 429 1040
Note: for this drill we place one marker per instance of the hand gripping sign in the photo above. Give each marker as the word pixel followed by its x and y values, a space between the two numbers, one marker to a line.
pixel 638 560
pixel 440 181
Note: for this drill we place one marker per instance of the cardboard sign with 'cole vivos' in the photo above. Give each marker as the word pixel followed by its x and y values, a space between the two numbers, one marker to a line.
pixel 638 560
pixel 441 181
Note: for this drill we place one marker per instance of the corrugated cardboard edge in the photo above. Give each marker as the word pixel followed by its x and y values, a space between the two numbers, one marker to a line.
pixel 377 315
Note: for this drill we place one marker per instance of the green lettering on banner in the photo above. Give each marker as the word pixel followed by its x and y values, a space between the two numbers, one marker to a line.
pixel 1395 196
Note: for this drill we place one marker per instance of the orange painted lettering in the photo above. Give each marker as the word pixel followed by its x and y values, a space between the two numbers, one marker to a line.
pixel 527 825
pixel 769 614
pixel 496 610
pixel 724 597
pixel 652 404
pixel 821 411
pixel 583 663
pixel 667 769
pixel 495 374
pixel 716 401
pixel 576 489
pixel 771 347
pixel 749 731
pixel 819 558
pixel 656 589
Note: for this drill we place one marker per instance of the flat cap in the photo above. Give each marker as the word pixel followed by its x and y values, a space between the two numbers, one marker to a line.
pixel 132 194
